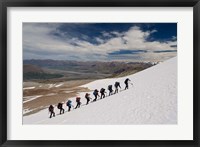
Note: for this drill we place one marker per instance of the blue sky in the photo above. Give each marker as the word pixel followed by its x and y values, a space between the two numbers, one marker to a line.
pixel 100 41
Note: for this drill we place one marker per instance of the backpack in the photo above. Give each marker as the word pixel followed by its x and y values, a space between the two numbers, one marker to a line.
pixel 95 92
pixel 69 103
pixel 87 95
pixel 78 99
pixel 116 84
pixel 59 105
pixel 50 108
pixel 102 90
pixel 126 81
pixel 109 87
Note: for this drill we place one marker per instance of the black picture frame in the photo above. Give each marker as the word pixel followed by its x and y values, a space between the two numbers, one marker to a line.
pixel 4 4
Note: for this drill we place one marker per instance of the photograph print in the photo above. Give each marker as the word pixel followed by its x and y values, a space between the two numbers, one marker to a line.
pixel 99 73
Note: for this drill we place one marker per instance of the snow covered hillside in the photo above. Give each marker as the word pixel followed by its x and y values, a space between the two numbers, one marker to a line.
pixel 151 100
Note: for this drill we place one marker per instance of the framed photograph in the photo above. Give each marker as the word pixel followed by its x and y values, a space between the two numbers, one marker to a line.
pixel 122 73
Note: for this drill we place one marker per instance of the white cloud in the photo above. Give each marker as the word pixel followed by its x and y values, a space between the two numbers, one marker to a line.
pixel 99 40
pixel 37 40
pixel 117 33
pixel 106 34
pixel 174 38
pixel 154 31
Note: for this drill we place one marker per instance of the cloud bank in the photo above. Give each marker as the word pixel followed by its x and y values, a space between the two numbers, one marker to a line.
pixel 47 41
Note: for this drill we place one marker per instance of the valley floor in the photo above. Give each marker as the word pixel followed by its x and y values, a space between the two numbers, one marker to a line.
pixel 38 96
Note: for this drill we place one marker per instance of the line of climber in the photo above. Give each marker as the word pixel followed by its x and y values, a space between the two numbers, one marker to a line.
pixel 88 98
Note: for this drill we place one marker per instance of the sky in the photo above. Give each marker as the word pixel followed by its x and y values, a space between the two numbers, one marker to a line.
pixel 140 42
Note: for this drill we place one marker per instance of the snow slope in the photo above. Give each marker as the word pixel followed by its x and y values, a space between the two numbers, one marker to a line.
pixel 151 100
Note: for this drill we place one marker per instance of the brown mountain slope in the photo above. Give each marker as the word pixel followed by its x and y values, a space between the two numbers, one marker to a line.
pixel 27 68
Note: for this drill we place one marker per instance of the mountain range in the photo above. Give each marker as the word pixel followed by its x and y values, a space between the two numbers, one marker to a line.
pixel 74 70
